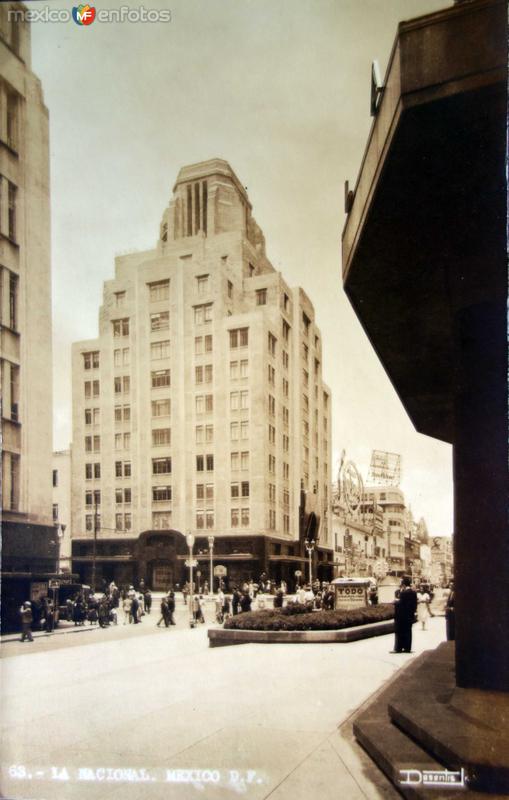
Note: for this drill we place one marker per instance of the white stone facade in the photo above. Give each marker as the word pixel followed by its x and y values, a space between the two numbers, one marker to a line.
pixel 201 407
pixel 25 282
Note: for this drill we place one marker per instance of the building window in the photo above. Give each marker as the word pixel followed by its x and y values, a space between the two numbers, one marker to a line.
pixel 160 321
pixel 203 314
pixel 55 512
pixel 272 434
pixel 239 337
pixel 244 460
pixel 161 494
pixel 91 360
pixel 252 270
pixel 234 401
pixel 160 377
pixel 161 408
pixel 202 284
pixel 230 289
pixel 120 327
pixel 89 522
pixel 244 429
pixel 55 477
pixel 160 349
pixel 284 357
pixel 244 489
pixel 161 466
pixel 272 464
pixel 306 322
pixel 159 290
pixel 244 517
pixel 272 405
pixel 12 193
pixel 286 302
pixel 285 387
pixel 161 436
pixel 161 520
pixel 119 521
pixel 235 517
pixel 261 297
pixel 234 431
pixel 272 341
pixel 12 120
pixel 271 375
pixel 13 300
pixel 119 299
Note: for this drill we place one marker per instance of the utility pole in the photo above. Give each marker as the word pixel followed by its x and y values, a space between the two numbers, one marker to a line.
pixel 94 549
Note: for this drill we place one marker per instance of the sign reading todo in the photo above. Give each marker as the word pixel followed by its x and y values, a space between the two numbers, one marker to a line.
pixel 351 595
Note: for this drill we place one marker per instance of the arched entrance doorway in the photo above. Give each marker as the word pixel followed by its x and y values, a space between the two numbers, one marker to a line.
pixel 158 564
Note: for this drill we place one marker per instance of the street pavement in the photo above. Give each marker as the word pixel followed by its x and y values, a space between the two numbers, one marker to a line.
pixel 145 713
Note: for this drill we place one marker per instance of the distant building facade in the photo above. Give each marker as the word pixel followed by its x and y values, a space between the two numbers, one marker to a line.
pixel 379 536
pixel 201 406
pixel 442 562
pixel 28 549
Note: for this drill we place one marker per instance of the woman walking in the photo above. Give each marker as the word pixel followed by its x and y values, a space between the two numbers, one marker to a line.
pixel 422 607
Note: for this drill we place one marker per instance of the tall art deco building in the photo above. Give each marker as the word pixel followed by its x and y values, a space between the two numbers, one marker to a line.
pixel 29 547
pixel 201 407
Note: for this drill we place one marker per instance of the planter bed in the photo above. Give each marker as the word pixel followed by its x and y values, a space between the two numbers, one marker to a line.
pixel 221 637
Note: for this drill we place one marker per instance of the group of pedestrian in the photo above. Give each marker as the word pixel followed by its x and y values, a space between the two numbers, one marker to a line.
pixel 135 604
pixel 167 610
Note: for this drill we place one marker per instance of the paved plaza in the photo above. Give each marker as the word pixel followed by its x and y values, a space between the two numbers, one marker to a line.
pixel 147 713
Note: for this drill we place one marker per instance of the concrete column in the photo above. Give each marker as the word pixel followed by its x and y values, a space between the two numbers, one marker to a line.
pixel 481 538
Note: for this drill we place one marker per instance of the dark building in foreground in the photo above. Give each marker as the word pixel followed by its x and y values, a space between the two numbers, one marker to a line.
pixel 424 266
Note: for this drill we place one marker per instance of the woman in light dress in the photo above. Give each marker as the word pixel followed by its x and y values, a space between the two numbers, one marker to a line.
pixel 423 600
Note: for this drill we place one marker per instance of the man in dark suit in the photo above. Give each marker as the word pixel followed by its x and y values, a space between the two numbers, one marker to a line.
pixel 405 607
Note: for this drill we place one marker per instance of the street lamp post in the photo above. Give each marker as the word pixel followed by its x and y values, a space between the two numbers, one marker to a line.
pixel 211 554
pixel 190 543
pixel 94 550
pixel 310 546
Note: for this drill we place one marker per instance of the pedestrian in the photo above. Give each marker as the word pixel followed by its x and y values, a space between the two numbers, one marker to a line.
pixel 147 601
pixel 422 607
pixel 405 606
pixel 450 619
pixel 196 608
pixel 206 587
pixel 165 616
pixel 235 601
pixel 220 598
pixel 103 612
pixel 201 603
pixel 373 596
pixel 134 609
pixel 126 608
pixel 185 592
pixel 26 621
pixel 245 602
pixel 279 598
pixel 141 609
pixel 171 608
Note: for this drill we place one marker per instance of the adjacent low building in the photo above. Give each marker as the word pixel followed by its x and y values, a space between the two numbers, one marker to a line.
pixel 201 406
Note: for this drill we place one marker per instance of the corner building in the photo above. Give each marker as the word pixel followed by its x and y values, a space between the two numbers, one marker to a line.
pixel 201 408
pixel 29 550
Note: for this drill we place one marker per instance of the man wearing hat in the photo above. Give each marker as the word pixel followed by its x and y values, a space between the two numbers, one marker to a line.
pixel 26 620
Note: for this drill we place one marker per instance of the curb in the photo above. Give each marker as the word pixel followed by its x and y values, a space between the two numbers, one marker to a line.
pixel 224 637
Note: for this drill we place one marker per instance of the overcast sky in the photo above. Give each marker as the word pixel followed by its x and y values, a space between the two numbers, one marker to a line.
pixel 280 89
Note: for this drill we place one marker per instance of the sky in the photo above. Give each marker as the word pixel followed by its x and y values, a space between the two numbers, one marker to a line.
pixel 281 90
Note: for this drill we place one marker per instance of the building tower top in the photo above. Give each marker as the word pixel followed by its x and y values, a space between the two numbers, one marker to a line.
pixel 208 199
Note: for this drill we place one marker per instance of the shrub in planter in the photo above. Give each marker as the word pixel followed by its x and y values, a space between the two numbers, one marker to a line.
pixel 277 619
